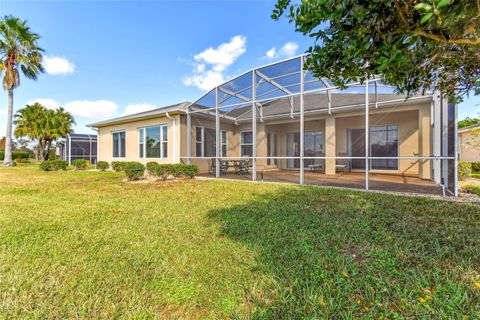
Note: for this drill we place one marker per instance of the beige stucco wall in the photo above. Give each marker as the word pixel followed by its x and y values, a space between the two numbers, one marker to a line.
pixel 105 138
pixel 466 151
pixel 413 121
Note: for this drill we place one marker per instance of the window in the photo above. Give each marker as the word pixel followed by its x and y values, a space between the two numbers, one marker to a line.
pixel 246 144
pixel 153 142
pixel 118 144
pixel 205 142
pixel 384 143
pixel 141 144
pixel 199 141
pixel 272 149
pixel 224 143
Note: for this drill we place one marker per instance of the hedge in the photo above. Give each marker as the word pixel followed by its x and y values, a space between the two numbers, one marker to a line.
pixel 152 167
pixel 464 170
pixel 176 170
pixel 53 165
pixel 476 166
pixel 133 170
pixel 15 154
pixel 118 165
pixel 102 165
pixel 80 164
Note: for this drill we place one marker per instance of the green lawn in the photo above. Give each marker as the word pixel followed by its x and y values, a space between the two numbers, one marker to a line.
pixel 87 245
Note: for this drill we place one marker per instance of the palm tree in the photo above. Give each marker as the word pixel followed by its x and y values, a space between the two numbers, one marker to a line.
pixel 30 122
pixel 18 50
pixel 43 126
pixel 59 125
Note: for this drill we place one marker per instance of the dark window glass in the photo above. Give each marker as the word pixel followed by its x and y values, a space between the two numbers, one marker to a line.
pixel 247 150
pixel 152 140
pixel 118 144
pixel 384 143
pixel 246 144
pixel 198 141
pixel 224 143
pixel 209 136
pixel 141 144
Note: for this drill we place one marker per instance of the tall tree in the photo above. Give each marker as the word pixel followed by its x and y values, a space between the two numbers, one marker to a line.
pixel 18 51
pixel 43 126
pixel 416 45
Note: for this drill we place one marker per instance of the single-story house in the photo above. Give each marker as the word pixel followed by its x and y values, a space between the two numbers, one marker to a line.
pixel 280 123
pixel 466 150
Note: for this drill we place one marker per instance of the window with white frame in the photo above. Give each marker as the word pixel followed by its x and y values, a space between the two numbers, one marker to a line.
pixel 246 143
pixel 118 144
pixel 205 142
pixel 153 142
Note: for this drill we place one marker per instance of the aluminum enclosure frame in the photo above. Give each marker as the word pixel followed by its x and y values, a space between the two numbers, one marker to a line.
pixel 249 95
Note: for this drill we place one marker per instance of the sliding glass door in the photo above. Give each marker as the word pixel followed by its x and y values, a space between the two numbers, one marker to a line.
pixel 313 147
pixel 383 143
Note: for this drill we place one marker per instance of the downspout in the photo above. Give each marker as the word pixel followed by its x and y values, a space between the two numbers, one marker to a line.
pixel 174 136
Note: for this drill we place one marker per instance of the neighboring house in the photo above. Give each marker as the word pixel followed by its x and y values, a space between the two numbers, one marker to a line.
pixel 410 141
pixel 78 146
pixel 2 143
pixel 466 151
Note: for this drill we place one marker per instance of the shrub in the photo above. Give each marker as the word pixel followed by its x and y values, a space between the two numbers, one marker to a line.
pixel 80 164
pixel 472 188
pixel 175 169
pixel 163 170
pixel 53 165
pixel 189 170
pixel 15 154
pixel 152 167
pixel 102 165
pixel 118 165
pixel 464 170
pixel 22 160
pixel 134 170
pixel 476 166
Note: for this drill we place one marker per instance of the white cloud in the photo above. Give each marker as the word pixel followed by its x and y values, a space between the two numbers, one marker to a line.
pixel 92 109
pixel 57 65
pixel 272 53
pixel 46 102
pixel 210 64
pixel 136 108
pixel 288 50
pixel 3 112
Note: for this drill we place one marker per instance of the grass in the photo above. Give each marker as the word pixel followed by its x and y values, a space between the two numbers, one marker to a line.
pixel 472 188
pixel 79 244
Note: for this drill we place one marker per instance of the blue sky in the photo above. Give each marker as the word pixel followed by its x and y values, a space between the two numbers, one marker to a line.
pixel 105 59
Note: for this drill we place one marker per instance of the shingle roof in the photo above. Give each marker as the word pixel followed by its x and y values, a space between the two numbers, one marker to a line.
pixel 179 107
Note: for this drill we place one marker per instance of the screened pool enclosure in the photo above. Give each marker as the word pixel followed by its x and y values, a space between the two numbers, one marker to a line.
pixel 79 146
pixel 280 123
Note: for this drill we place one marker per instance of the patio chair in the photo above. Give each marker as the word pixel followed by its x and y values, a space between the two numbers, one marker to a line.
pixel 343 165
pixel 242 167
pixel 223 166
pixel 316 166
